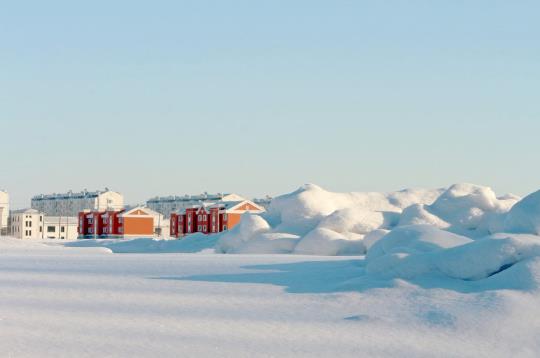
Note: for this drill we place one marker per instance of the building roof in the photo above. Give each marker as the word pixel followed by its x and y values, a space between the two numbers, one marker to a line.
pixel 71 195
pixel 26 211
pixel 195 198
pixel 228 206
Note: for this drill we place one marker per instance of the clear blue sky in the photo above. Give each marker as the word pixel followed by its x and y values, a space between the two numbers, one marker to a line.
pixel 256 97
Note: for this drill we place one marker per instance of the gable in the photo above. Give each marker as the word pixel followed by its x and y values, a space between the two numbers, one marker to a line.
pixel 244 206
pixel 247 207
pixel 140 211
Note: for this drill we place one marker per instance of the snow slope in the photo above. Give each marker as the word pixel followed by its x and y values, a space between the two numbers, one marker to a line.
pixel 318 222
pixel 58 301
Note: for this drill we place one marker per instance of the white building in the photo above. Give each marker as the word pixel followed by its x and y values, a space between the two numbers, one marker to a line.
pixel 60 227
pixel 168 204
pixel 4 212
pixel 70 204
pixel 27 224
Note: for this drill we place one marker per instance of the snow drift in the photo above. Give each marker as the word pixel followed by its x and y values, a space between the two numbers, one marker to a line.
pixel 314 221
pixel 392 227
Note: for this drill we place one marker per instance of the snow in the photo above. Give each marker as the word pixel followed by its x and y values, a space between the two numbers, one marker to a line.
pixel 327 242
pixel 65 301
pixel 191 244
pixel 524 217
pixel 320 222
pixel 447 272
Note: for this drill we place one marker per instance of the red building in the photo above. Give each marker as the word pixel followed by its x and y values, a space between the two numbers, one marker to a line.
pixel 210 219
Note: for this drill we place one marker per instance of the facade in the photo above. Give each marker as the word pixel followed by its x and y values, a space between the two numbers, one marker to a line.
pixel 4 212
pixel 70 204
pixel 139 222
pixel 211 218
pixel 60 227
pixel 169 204
pixel 27 224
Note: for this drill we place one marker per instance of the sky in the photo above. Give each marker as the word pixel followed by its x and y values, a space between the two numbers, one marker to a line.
pixel 259 97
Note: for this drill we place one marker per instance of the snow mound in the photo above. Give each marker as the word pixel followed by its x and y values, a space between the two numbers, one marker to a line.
pixel 268 243
pixel 303 210
pixel 418 214
pixel 374 236
pixel 249 227
pixel 189 244
pixel 319 222
pixel 415 252
pixel 524 217
pixel 329 243
pixel 466 209
pixel 415 239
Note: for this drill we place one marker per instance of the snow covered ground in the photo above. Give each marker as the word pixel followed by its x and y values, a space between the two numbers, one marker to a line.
pixel 87 301
pixel 418 273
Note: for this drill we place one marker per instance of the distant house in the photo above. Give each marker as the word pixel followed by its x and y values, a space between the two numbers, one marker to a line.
pixel 27 224
pixel 60 227
pixel 4 212
pixel 211 218
pixel 137 222
pixel 70 204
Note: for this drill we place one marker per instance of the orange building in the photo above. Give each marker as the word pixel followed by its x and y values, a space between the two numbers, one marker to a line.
pixel 137 222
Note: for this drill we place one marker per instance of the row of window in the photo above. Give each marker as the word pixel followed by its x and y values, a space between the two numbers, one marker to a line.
pixel 53 229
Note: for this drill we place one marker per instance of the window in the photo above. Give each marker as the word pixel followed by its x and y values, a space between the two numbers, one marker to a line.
pixel 51 229
pixel 199 228
pixel 204 228
pixel 224 227
pixel 200 218
pixel 224 216
pixel 63 229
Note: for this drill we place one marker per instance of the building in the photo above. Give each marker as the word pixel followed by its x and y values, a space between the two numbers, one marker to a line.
pixel 27 224
pixel 264 202
pixel 167 205
pixel 211 218
pixel 139 222
pixel 60 227
pixel 70 204
pixel 4 212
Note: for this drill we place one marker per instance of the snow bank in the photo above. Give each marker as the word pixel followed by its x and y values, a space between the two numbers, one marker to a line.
pixel 415 239
pixel 189 244
pixel 314 221
pixel 466 209
pixel 416 251
pixel 524 217
pixel 328 242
